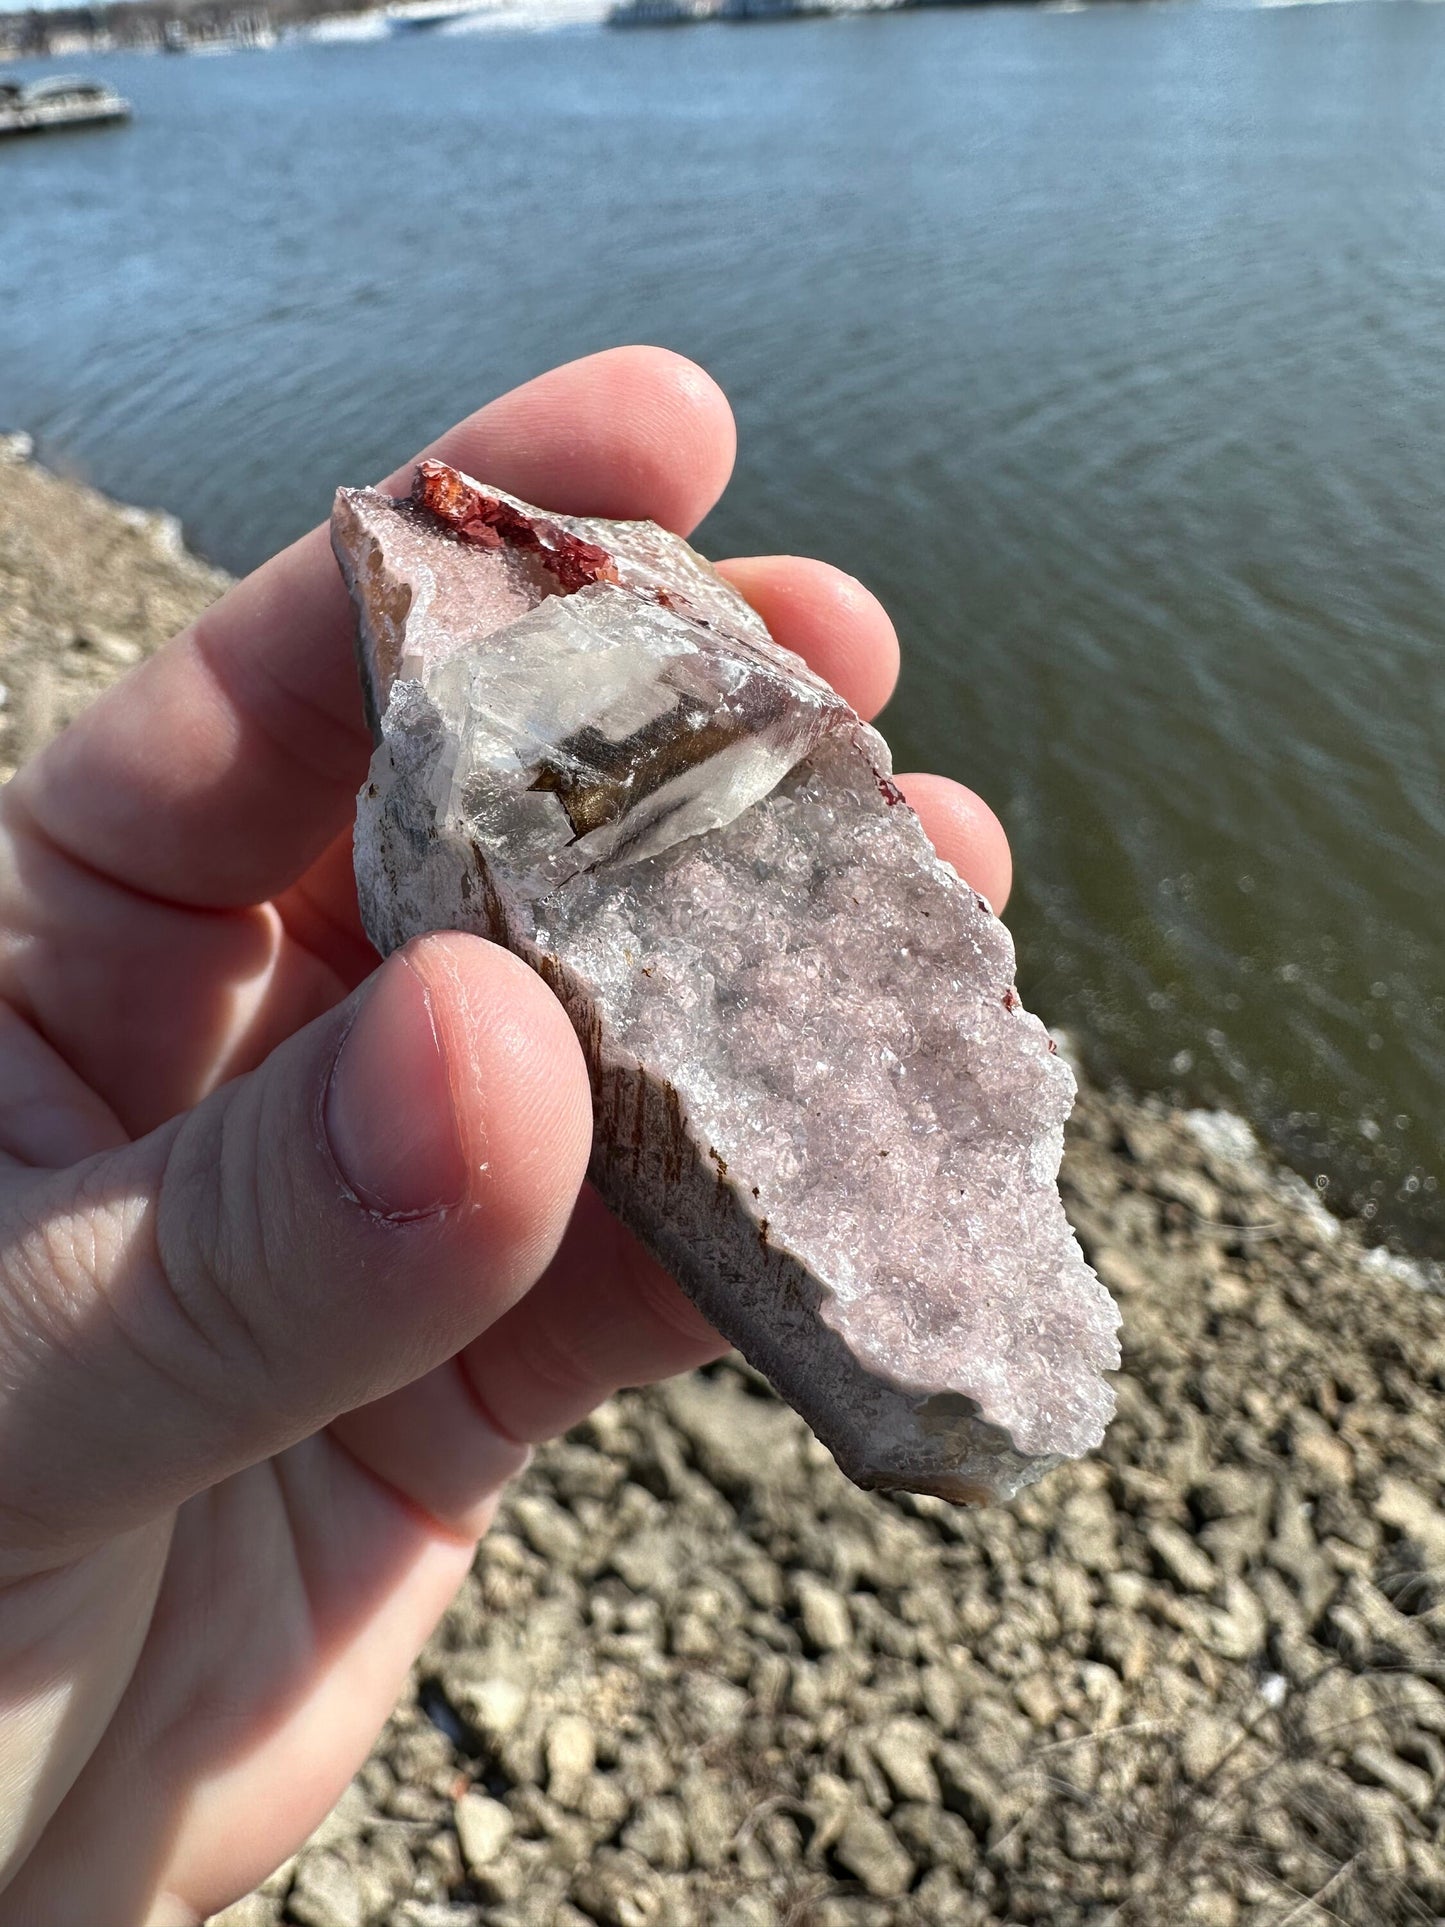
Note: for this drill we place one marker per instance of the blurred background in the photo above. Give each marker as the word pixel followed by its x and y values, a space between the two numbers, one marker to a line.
pixel 1104 344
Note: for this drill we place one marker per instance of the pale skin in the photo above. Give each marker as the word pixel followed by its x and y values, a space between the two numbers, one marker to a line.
pixel 296 1259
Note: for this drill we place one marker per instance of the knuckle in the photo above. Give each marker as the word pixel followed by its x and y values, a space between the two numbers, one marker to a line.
pixel 546 1359
pixel 210 1262
pixel 537 1383
pixel 127 1268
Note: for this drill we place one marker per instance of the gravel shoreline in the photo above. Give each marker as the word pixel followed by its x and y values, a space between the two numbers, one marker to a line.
pixel 695 1679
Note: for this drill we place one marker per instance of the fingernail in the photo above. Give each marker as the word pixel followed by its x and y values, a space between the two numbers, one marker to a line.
pixel 390 1117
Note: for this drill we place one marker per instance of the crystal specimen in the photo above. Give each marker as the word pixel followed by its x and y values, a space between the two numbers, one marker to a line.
pixel 816 1095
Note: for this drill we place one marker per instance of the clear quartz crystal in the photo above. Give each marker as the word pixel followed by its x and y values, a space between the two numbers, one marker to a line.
pixel 816 1095
pixel 599 730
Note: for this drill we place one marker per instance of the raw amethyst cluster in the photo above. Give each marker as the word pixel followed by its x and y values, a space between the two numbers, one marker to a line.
pixel 816 1095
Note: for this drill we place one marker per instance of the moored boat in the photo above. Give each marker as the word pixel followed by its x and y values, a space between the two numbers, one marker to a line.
pixel 60 100
pixel 417 16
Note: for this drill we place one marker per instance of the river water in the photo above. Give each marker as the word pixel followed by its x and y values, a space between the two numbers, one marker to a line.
pixel 1105 345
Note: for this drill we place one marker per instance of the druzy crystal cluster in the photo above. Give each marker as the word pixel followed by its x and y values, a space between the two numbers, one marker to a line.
pixel 816 1095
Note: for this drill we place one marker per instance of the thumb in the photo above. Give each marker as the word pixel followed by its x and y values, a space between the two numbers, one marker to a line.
pixel 313 1236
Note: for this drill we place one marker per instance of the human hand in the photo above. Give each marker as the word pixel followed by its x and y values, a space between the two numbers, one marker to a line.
pixel 293 1261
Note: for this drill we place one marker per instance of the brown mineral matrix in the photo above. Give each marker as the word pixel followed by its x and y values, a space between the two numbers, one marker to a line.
pixel 817 1097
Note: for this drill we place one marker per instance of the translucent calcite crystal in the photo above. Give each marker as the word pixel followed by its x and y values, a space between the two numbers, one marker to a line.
pixel 816 1095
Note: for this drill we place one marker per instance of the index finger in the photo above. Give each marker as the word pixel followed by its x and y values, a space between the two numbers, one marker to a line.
pixel 218 772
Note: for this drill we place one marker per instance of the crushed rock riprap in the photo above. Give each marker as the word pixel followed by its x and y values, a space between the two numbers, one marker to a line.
pixel 696 1677
pixel 86 588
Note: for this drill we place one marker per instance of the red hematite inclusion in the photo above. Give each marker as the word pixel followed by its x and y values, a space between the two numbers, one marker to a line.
pixel 492 524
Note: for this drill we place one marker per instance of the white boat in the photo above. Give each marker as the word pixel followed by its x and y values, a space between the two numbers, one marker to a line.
pixel 425 18
pixel 60 100
pixel 461 17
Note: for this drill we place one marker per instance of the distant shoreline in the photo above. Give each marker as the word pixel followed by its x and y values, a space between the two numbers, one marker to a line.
pixel 189 26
